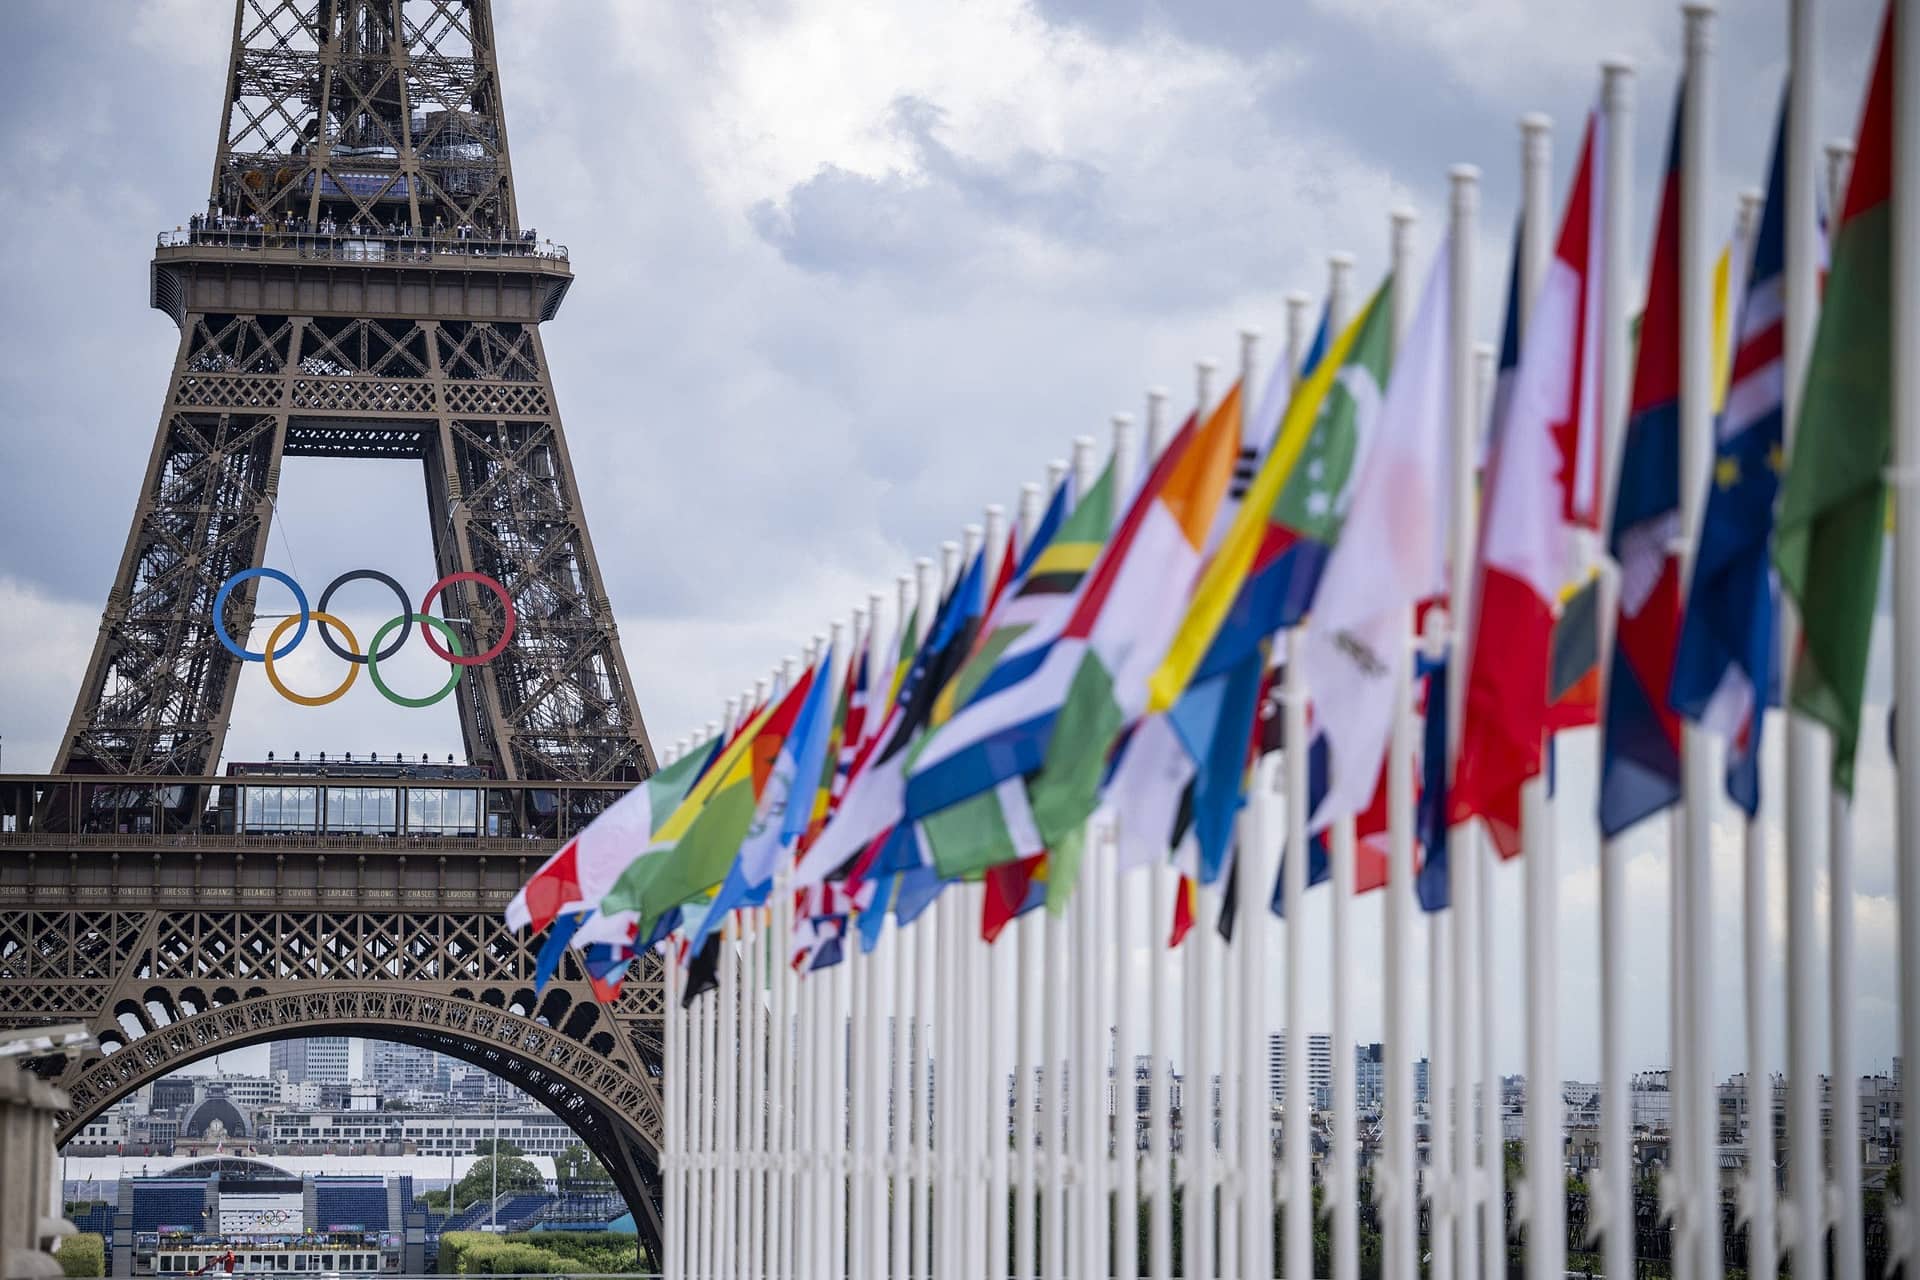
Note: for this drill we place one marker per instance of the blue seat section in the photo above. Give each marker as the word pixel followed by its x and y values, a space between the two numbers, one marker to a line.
pixel 466 1219
pixel 98 1219
pixel 517 1213
pixel 350 1202
pixel 169 1202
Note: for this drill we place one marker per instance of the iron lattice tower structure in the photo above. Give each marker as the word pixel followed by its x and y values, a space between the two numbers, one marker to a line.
pixel 361 286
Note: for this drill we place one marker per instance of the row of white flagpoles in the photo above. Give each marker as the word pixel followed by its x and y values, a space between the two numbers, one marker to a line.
pixel 856 1121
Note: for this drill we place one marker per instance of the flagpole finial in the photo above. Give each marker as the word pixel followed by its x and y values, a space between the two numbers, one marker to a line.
pixel 1839 167
pixel 972 538
pixel 1203 371
pixel 923 585
pixel 1123 454
pixel 1027 514
pixel 1339 272
pixel 1056 472
pixel 1156 423
pixel 1249 346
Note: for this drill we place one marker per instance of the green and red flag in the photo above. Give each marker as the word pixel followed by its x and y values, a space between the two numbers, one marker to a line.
pixel 1833 500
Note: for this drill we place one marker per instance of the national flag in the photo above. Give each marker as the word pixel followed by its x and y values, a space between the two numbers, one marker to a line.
pixel 1724 668
pixel 1216 715
pixel 1640 755
pixel 1127 611
pixel 703 971
pixel 1186 910
pixel 970 753
pixel 1432 817
pixel 699 839
pixel 580 873
pixel 1541 483
pixel 1832 509
pixel 788 733
pixel 1392 556
pixel 875 798
pixel 551 951
pixel 1267 566
pixel 1012 890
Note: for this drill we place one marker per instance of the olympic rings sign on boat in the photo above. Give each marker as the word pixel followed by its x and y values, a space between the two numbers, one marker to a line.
pixel 453 654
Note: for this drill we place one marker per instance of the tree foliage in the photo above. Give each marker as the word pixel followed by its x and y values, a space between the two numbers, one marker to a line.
pixel 476 1253
pixel 577 1164
pixel 517 1173
pixel 82 1255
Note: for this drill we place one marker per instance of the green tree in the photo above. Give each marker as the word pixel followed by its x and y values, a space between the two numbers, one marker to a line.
pixel 577 1164
pixel 82 1255
pixel 517 1173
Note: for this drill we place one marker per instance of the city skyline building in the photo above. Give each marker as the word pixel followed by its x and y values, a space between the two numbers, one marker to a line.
pixel 320 1059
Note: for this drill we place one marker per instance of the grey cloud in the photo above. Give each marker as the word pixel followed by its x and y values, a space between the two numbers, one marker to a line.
pixel 939 220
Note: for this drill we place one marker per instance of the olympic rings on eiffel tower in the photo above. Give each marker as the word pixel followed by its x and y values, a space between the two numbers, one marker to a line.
pixel 453 653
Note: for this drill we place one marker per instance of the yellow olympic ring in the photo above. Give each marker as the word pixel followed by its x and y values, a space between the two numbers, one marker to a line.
pixel 273 677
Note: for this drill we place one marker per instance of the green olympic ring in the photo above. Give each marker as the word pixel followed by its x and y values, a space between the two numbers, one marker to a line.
pixel 373 659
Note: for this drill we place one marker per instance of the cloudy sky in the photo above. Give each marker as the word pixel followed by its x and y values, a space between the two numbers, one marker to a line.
pixel 845 273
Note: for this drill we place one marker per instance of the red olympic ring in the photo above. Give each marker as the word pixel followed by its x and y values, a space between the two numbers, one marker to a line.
pixel 506 602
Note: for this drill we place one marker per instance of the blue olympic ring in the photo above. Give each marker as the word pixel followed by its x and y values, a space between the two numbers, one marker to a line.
pixel 220 604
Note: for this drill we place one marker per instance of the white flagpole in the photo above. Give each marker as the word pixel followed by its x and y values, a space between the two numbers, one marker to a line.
pixel 751 1111
pixel 806 1175
pixel 1544 1188
pixel 1699 754
pixel 1028 964
pixel 1904 324
pixel 925 975
pixel 1394 1187
pixel 706 1099
pixel 1196 1113
pixel 839 1138
pixel 1802 1215
pixel 862 1226
pixel 1118 1171
pixel 950 1076
pixel 987 1126
pixel 1057 1016
pixel 733 1127
pixel 673 1241
pixel 1014 978
pixel 1228 996
pixel 1844 1081
pixel 1296 1154
pixel 1252 1148
pixel 897 1138
pixel 1461 872
pixel 780 1085
pixel 1159 1162
pixel 1613 1221
pixel 1126 1109
pixel 1493 1150
pixel 1755 1195
pixel 1159 1083
pixel 1339 1203
pixel 1085 1107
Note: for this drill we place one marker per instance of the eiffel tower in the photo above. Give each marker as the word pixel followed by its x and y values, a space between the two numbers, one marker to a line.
pixel 361 286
